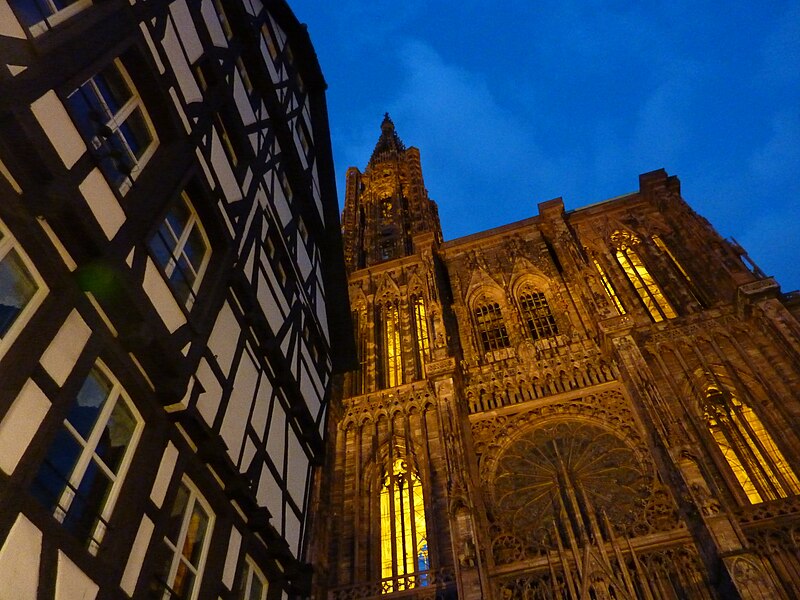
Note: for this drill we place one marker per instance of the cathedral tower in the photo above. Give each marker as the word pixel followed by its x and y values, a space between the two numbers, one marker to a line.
pixel 599 403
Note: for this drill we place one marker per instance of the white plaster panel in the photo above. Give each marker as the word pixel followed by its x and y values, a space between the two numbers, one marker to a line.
pixel 72 583
pixel 203 163
pixel 55 122
pixel 150 44
pixel 19 561
pixel 254 7
pixel 282 205
pixel 292 532
pixel 232 558
pixel 136 556
pixel 20 424
pixel 213 24
pixel 179 108
pixel 308 391
pixel 224 337
pixel 269 494
pixel 208 401
pixel 16 69
pixel 219 161
pixel 303 260
pixel 296 469
pixel 102 202
pixel 185 26
pixel 183 73
pixel 242 101
pixel 261 407
pixel 277 434
pixel 9 26
pixel 237 412
pixel 164 475
pixel 161 296
pixel 63 352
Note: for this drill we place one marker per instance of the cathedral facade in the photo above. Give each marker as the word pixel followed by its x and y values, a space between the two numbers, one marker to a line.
pixel 599 403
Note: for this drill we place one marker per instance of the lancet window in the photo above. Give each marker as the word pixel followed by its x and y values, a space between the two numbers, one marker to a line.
pixel 678 267
pixel 404 541
pixel 643 282
pixel 358 385
pixel 490 327
pixel 537 315
pixel 609 288
pixel 391 342
pixel 421 334
pixel 748 448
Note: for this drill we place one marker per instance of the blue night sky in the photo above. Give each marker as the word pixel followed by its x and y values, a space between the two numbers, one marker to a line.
pixel 513 103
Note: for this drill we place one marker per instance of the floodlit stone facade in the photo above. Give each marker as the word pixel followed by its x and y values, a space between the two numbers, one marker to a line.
pixel 597 403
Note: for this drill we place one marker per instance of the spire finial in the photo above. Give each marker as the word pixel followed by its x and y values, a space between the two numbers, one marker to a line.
pixel 387 123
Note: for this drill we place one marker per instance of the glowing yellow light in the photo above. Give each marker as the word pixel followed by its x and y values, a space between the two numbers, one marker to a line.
pixel 394 355
pixel 610 292
pixel 749 449
pixel 421 325
pixel 646 287
pixel 404 545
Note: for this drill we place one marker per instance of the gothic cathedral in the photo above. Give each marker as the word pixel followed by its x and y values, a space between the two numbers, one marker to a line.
pixel 590 404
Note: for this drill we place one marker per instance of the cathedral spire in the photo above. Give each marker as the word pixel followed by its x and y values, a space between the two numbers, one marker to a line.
pixel 389 143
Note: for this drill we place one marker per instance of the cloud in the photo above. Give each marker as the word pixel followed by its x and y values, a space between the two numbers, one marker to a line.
pixel 779 157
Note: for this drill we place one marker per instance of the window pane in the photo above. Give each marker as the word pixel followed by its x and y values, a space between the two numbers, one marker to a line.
pixel 54 473
pixel 176 514
pixel 161 246
pixel 136 133
pixel 86 506
pixel 116 436
pixel 17 287
pixel 195 249
pixel 256 588
pixel 195 535
pixel 85 410
pixel 181 280
pixel 184 581
pixel 112 88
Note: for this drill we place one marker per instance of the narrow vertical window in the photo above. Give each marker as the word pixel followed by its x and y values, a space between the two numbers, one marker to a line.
pixel 643 282
pixel 358 383
pixel 748 448
pixel 421 333
pixel 181 249
pixel 109 113
pixel 393 355
pixel 490 327
pixel 609 288
pixel 85 465
pixel 404 541
pixel 679 268
pixel 20 288
pixel 188 531
pixel 537 315
pixel 252 583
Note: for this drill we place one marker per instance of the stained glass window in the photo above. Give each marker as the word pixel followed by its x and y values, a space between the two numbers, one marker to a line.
pixel 748 448
pixel 393 352
pixel 421 331
pixel 643 282
pixel 678 267
pixel 609 288
pixel 404 543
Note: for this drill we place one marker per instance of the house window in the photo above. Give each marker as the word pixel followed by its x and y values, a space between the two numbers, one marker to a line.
pixel 392 348
pixel 80 478
pixel 404 542
pixel 109 113
pixel 188 533
pixel 537 315
pixel 181 249
pixel 490 327
pixel 421 332
pixel 21 289
pixel 643 282
pixel 748 448
pixel 223 20
pixel 609 288
pixel 252 584
pixel 41 15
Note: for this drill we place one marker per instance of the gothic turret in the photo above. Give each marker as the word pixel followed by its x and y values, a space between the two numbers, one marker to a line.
pixel 387 205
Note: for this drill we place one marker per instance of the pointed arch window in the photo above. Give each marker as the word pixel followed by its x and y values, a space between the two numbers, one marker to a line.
pixel 360 332
pixel 643 282
pixel 490 327
pixel 609 288
pixel 392 353
pixel 748 448
pixel 678 268
pixel 537 315
pixel 404 541
pixel 421 332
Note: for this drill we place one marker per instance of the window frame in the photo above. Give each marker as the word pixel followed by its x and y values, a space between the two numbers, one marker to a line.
pixel 51 20
pixel 490 326
pixel 9 244
pixel 176 251
pixel 88 451
pixel 540 322
pixel 113 122
pixel 175 550
pixel 250 571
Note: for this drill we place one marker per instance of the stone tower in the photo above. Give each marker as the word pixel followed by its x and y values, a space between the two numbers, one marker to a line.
pixel 600 403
